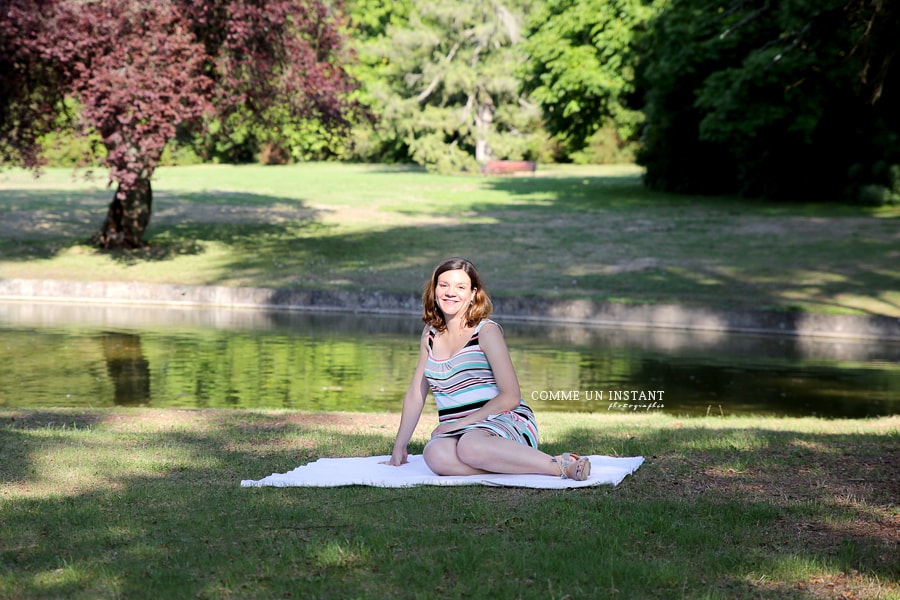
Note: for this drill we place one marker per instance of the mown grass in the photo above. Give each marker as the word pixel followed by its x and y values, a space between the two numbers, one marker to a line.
pixel 147 504
pixel 592 233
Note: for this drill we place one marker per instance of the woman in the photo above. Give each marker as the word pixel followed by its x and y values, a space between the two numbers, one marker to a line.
pixel 484 424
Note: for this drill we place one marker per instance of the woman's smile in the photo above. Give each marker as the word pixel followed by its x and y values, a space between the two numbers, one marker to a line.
pixel 454 290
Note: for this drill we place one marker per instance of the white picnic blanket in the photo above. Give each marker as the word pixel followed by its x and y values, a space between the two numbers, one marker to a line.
pixel 333 472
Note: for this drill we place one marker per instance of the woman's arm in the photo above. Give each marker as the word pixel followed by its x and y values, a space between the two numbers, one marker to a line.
pixel 490 338
pixel 413 403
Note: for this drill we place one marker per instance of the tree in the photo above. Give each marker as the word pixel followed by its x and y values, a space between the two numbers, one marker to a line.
pixel 443 81
pixel 789 100
pixel 582 56
pixel 138 70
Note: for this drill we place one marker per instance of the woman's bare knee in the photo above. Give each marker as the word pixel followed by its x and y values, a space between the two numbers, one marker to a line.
pixel 470 448
pixel 440 455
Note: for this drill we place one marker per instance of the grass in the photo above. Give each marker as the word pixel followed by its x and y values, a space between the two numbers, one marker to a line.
pixel 592 233
pixel 146 504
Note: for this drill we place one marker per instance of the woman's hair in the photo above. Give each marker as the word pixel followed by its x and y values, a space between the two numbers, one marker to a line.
pixel 480 308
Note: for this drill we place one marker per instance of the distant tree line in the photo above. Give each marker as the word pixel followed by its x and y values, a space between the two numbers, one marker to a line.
pixel 790 100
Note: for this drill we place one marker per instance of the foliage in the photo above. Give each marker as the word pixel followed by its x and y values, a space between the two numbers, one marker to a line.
pixel 368 20
pixel 283 140
pixel 605 146
pixel 581 67
pixel 442 82
pixel 139 70
pixel 64 147
pixel 129 66
pixel 785 100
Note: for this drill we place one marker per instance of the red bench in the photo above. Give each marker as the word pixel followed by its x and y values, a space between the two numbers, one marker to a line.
pixel 503 167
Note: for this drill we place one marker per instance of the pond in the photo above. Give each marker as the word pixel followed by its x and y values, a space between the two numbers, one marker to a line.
pixel 87 356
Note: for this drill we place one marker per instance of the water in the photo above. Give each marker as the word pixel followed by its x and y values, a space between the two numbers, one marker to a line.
pixel 84 356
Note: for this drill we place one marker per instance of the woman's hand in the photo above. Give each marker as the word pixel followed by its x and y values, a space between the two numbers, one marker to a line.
pixel 398 457
pixel 445 428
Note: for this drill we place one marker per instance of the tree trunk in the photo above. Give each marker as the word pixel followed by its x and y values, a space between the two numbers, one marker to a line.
pixel 127 218
pixel 484 116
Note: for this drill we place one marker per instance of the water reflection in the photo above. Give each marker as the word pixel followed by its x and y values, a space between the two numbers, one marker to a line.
pixel 128 370
pixel 88 355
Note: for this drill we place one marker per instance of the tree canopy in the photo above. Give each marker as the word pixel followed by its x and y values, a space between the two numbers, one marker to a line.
pixel 582 57
pixel 783 99
pixel 791 100
pixel 137 70
pixel 443 82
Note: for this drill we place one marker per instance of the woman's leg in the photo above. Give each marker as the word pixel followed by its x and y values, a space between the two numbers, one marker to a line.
pixel 483 451
pixel 440 456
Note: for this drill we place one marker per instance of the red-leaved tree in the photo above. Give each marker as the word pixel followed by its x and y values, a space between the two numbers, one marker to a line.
pixel 138 69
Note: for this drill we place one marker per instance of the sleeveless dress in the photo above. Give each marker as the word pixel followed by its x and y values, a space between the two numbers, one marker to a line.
pixel 464 383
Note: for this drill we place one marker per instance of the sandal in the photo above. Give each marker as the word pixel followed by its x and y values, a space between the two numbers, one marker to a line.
pixel 572 466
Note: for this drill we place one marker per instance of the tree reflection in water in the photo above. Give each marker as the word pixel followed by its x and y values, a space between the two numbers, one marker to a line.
pixel 86 355
pixel 127 367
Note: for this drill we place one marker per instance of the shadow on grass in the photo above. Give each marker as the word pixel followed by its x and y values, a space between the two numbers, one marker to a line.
pixel 715 512
pixel 618 190
pixel 42 224
pixel 16 450
pixel 604 238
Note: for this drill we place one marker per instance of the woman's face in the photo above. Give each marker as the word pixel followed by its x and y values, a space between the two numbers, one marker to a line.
pixel 454 292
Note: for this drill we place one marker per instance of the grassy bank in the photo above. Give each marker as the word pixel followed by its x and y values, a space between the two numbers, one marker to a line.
pixel 591 233
pixel 147 504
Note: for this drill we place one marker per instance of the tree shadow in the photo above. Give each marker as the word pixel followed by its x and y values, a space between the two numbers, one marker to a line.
pixel 602 238
pixel 18 450
pixel 42 224
pixel 821 498
pixel 744 503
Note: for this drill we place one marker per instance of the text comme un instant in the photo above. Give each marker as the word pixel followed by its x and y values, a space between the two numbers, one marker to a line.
pixel 600 395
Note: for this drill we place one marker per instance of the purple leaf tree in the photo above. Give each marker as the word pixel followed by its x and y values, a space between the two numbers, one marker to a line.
pixel 137 70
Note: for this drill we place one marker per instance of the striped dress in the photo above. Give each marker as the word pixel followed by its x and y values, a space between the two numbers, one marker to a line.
pixel 464 383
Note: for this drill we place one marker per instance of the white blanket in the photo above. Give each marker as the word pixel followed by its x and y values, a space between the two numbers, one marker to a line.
pixel 332 472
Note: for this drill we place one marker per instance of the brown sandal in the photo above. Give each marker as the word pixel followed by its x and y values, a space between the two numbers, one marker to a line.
pixel 572 466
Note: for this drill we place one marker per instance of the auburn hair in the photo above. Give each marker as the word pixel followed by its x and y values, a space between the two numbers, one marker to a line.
pixel 480 308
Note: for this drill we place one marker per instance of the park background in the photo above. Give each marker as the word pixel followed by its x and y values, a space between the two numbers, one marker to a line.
pixel 717 155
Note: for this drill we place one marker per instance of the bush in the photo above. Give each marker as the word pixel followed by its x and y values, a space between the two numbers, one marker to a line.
pixel 65 149
pixel 178 154
pixel 605 147
pixel 775 100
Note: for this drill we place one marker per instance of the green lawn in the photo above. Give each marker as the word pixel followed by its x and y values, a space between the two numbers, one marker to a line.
pixel 146 504
pixel 569 232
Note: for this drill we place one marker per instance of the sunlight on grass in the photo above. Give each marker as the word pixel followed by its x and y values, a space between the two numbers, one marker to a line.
pixel 568 232
pixel 145 503
pixel 60 469
pixel 337 554
pixel 65 575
